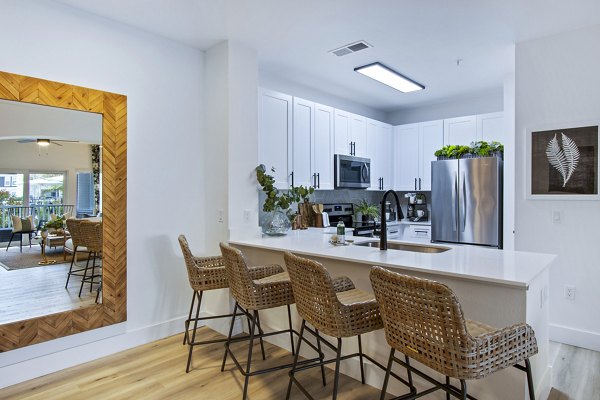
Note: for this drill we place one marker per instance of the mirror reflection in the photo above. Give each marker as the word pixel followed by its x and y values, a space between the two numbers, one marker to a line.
pixel 50 210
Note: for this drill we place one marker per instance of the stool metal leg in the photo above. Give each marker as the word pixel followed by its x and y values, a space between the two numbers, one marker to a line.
pixel 362 366
pixel 229 336
pixel 320 352
pixel 296 355
pixel 409 373
pixel 191 345
pixel 87 265
pixel 249 362
pixel 262 346
pixel 529 379
pixel 187 322
pixel 463 389
pixel 291 332
pixel 337 368
pixel 387 374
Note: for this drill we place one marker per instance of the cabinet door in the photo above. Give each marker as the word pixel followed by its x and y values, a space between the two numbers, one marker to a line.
pixel 323 147
pixel 461 130
pixel 385 150
pixel 490 127
pixel 406 157
pixel 302 133
pixel 275 135
pixel 358 135
pixel 341 126
pixel 431 138
pixel 372 140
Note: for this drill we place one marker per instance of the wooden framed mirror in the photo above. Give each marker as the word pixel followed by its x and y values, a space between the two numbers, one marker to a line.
pixel 113 108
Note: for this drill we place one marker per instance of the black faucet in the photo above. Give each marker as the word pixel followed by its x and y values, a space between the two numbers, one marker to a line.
pixel 383 234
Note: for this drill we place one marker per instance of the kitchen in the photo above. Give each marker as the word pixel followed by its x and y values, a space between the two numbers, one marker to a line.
pixel 222 209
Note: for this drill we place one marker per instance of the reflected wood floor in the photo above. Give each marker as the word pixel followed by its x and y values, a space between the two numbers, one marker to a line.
pixel 32 292
pixel 157 371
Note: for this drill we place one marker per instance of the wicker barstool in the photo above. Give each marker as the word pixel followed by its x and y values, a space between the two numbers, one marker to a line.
pixel 74 246
pixel 251 295
pixel 91 238
pixel 207 273
pixel 334 307
pixel 413 309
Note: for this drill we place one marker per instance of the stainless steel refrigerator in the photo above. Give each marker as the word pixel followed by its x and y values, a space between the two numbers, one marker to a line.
pixel 466 201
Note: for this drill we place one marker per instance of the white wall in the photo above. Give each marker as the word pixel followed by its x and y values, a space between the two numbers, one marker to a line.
pixel 70 158
pixel 477 103
pixel 272 81
pixel 557 82
pixel 163 84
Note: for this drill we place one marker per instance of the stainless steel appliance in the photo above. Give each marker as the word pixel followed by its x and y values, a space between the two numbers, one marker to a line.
pixel 352 172
pixel 466 202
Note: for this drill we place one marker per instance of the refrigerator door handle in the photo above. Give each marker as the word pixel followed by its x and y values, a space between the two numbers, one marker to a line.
pixel 464 202
pixel 454 205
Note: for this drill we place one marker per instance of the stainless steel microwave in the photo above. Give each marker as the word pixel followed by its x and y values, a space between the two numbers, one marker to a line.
pixel 352 172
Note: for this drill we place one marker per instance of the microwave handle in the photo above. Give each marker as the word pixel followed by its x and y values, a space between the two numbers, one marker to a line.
pixel 365 171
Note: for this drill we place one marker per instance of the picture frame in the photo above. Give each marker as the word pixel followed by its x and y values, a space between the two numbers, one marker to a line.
pixel 562 161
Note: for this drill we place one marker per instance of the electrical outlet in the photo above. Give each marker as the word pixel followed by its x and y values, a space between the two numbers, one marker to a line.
pixel 220 216
pixel 556 217
pixel 570 292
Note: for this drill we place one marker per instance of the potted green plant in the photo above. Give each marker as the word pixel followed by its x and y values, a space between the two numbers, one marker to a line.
pixel 367 210
pixel 56 224
pixel 278 203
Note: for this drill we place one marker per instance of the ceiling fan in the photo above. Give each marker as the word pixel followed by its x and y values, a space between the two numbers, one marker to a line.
pixel 46 142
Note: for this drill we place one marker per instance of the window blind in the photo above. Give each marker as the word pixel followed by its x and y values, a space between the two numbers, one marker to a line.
pixel 85 193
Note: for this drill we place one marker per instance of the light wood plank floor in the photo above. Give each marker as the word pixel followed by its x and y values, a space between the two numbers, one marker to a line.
pixel 157 371
pixel 33 292
pixel 575 373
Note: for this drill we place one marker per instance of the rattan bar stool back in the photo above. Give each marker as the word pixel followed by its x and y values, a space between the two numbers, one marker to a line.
pixel 424 320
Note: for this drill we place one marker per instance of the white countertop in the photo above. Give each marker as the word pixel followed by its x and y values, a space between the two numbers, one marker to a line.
pixel 512 268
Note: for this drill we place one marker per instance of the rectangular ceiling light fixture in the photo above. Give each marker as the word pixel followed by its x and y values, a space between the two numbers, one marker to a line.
pixel 389 77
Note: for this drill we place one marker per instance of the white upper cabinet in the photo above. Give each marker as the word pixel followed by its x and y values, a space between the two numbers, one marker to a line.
pixel 431 138
pixel 358 135
pixel 322 157
pixel 380 150
pixel 341 126
pixel 350 134
pixel 275 135
pixel 491 127
pixel 406 157
pixel 303 134
pixel 415 145
pixel 461 130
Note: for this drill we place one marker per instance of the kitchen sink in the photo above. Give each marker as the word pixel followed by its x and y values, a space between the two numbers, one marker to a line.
pixel 418 248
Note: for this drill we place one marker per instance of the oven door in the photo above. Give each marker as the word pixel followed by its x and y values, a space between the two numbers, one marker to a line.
pixel 352 172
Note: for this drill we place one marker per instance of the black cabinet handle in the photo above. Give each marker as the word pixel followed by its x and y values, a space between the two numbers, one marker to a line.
pixel 315 180
pixel 318 181
pixel 419 183
pixel 415 183
pixel 381 183
pixel 292 175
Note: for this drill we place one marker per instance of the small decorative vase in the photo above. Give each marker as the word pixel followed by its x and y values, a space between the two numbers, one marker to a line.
pixel 276 223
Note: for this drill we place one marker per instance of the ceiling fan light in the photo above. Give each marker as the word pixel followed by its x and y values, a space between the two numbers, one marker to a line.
pixel 43 142
pixel 389 77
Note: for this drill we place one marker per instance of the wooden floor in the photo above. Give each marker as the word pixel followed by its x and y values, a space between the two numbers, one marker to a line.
pixel 575 373
pixel 32 292
pixel 157 371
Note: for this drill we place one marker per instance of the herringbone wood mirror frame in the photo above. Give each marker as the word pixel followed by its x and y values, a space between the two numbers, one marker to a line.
pixel 113 309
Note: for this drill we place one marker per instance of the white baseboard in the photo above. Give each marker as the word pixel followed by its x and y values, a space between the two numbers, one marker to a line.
pixel 545 384
pixel 575 337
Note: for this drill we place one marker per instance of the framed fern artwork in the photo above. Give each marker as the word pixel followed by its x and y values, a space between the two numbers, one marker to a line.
pixel 563 163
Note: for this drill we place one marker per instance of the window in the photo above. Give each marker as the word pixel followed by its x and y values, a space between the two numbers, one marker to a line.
pixel 11 189
pixel 85 194
pixel 46 188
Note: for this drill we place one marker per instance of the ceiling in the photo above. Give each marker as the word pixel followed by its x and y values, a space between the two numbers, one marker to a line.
pixel 420 39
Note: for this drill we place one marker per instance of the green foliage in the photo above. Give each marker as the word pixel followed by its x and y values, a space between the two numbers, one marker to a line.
pixel 275 198
pixel 480 148
pixel 57 223
pixel 365 208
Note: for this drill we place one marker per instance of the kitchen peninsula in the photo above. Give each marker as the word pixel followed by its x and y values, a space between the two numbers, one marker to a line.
pixel 497 287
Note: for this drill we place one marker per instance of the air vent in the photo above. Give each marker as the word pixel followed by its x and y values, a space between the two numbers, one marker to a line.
pixel 351 48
